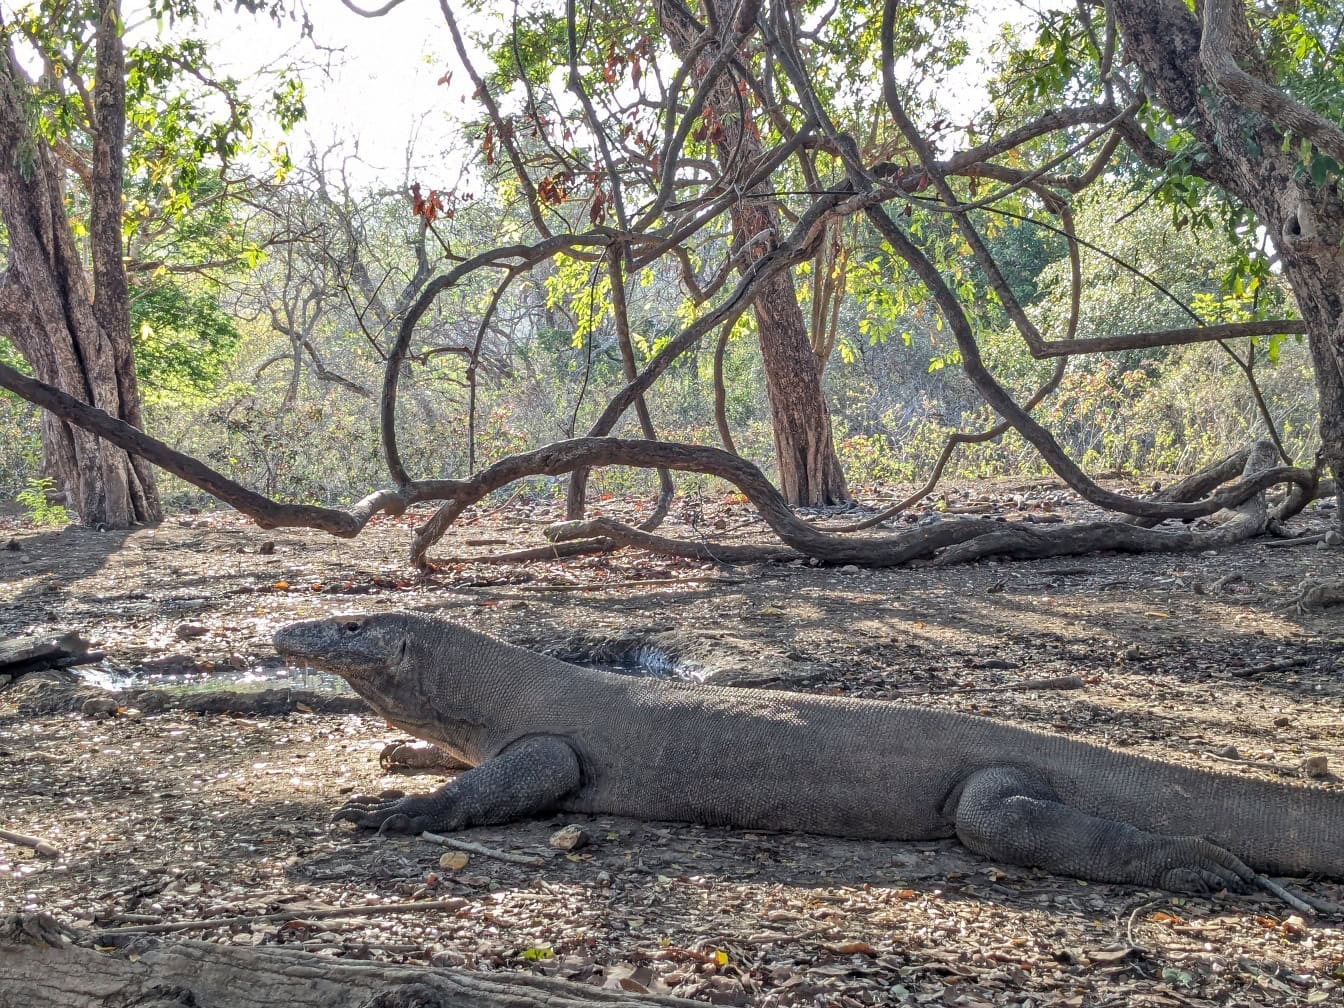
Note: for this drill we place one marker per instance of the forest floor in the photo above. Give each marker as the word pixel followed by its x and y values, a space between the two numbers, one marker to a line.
pixel 178 816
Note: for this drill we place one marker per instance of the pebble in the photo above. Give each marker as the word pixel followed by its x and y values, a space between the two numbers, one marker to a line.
pixel 98 707
pixel 849 569
pixel 1315 766
pixel 570 837
pixel 186 631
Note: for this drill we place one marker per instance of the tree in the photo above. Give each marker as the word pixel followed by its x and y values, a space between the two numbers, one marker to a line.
pixel 69 319
pixel 1229 85
pixel 621 179
pixel 95 117
pixel 809 471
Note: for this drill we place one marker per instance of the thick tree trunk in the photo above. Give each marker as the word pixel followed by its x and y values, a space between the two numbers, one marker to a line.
pixel 208 975
pixel 74 333
pixel 809 470
pixel 1189 65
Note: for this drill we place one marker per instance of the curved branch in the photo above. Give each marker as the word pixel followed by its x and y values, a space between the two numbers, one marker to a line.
pixel 264 511
pixel 1217 54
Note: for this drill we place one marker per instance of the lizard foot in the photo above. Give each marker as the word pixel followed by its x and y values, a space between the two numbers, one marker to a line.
pixel 1195 865
pixel 391 812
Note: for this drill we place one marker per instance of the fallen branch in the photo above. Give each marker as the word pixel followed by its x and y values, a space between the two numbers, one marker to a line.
pixel 1301 902
pixel 38 969
pixel 243 920
pixel 40 847
pixel 1070 682
pixel 1297 541
pixel 474 848
pixel 635 583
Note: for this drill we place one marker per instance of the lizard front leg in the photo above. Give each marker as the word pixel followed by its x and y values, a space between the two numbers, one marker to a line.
pixel 528 777
pixel 1012 815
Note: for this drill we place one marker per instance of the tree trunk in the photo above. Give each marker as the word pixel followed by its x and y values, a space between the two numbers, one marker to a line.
pixel 209 975
pixel 809 470
pixel 73 329
pixel 1187 67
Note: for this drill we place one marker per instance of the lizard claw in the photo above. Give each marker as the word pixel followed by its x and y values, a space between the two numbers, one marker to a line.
pixel 1204 868
pixel 390 812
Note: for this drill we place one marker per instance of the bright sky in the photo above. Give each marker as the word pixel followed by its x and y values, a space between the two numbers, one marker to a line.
pixel 383 86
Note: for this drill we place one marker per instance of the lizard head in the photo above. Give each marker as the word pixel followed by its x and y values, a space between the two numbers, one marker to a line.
pixel 358 647
pixel 394 660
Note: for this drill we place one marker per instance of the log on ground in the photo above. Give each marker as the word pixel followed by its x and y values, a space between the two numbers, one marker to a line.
pixel 35 974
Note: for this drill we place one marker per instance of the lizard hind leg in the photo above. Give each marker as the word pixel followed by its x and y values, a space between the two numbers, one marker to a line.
pixel 1012 815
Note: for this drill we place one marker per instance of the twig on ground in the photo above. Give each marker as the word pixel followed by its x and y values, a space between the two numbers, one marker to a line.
pixel 1301 902
pixel 1281 665
pixel 321 913
pixel 1298 541
pixel 40 847
pixel 1054 683
pixel 1283 771
pixel 635 583
pixel 474 848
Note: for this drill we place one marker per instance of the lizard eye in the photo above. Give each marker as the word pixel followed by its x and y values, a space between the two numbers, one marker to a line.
pixel 353 626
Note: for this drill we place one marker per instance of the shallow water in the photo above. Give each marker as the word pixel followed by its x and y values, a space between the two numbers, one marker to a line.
pixel 277 675
pixel 253 679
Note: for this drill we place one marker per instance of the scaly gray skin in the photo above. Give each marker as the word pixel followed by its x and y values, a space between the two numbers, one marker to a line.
pixel 542 734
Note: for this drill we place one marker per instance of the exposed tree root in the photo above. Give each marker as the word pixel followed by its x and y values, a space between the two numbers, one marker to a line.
pixel 1025 542
pixel 557 551
pixel 627 535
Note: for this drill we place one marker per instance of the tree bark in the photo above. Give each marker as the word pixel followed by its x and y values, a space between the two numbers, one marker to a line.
pixel 208 975
pixel 73 329
pixel 809 470
pixel 1212 76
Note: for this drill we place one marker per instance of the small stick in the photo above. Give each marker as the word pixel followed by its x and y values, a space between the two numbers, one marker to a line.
pixel 40 847
pixel 490 852
pixel 604 585
pixel 322 913
pixel 1277 768
pixel 1300 902
pixel 1282 665
pixel 1299 541
pixel 1058 682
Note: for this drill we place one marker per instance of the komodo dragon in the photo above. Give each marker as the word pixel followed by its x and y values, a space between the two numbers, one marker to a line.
pixel 542 734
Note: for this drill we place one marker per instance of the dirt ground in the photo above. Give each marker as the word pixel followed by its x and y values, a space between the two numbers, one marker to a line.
pixel 177 817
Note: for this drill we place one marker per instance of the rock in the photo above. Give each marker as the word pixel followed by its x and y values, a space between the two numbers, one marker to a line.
pixel 98 707
pixel 188 631
pixel 13 544
pixel 849 569
pixel 1282 722
pixel 5 680
pixel 1227 752
pixel 1334 538
pixel 1315 766
pixel 454 860
pixel 150 701
pixel 570 838
pixel 267 548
